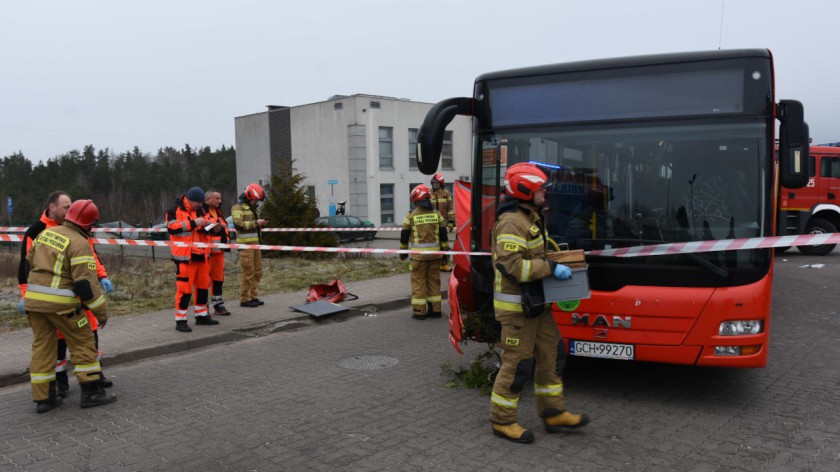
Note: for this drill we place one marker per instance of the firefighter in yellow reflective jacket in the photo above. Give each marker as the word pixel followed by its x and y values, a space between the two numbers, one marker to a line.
pixel 63 282
pixel 530 339
pixel 248 226
pixel 442 202
pixel 424 230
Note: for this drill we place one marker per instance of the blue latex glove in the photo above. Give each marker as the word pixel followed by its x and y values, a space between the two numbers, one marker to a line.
pixel 20 307
pixel 106 285
pixel 562 272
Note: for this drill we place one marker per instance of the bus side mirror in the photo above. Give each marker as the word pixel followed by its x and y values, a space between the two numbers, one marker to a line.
pixel 793 145
pixel 430 135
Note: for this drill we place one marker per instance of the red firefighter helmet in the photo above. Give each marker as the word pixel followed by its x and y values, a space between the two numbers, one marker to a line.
pixel 523 179
pixel 254 192
pixel 420 192
pixel 83 213
pixel 438 177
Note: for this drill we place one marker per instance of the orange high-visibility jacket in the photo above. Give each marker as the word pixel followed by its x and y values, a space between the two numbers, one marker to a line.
pixel 180 221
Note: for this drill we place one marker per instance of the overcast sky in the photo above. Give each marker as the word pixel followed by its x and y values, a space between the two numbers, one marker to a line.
pixel 154 73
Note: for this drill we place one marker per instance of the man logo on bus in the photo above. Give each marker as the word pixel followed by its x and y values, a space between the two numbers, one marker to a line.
pixel 601 321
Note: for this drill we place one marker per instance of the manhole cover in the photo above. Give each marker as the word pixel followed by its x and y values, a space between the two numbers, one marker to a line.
pixel 367 362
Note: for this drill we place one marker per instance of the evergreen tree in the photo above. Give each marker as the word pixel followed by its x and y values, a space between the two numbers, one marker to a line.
pixel 288 206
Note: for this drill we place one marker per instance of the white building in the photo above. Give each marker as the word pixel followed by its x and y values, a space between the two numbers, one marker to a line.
pixel 363 144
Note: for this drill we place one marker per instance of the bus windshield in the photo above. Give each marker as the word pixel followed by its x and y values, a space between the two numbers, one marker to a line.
pixel 638 185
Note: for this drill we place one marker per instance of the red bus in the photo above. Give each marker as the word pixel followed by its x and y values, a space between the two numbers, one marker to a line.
pixel 814 208
pixel 641 150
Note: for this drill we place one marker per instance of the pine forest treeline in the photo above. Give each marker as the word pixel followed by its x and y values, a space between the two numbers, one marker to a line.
pixel 134 186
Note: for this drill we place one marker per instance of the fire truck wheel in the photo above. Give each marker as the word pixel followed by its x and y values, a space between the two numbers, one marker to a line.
pixel 818 226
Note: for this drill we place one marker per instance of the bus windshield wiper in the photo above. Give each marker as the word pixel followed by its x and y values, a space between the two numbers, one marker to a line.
pixel 721 272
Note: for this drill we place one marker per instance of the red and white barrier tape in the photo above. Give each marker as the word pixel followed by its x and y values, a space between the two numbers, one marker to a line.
pixel 22 229
pixel 721 245
pixel 634 251
pixel 264 247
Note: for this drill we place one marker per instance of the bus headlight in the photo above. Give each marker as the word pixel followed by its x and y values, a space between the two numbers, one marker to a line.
pixel 739 328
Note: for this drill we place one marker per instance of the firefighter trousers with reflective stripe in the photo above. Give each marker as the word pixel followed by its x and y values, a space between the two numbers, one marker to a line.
pixel 191 276
pixel 425 286
pixel 250 265
pixel 79 338
pixel 529 345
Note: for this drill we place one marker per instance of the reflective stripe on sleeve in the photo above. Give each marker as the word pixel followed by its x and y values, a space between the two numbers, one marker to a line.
pixel 536 242
pixel 82 260
pixel 510 238
pixel 525 272
pixel 96 303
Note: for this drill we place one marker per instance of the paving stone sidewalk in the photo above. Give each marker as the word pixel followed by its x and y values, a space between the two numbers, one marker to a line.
pixel 133 337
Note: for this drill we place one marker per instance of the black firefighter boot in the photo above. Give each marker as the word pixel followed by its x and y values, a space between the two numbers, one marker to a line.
pixel 106 383
pixel 94 395
pixel 54 401
pixel 62 382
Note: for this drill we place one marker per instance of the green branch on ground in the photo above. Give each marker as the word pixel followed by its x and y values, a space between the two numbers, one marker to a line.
pixel 480 374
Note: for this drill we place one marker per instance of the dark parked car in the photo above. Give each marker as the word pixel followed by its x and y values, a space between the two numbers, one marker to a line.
pixel 347 221
pixel 160 235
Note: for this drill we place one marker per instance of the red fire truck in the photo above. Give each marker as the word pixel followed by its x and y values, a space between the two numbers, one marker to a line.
pixel 814 208
pixel 640 150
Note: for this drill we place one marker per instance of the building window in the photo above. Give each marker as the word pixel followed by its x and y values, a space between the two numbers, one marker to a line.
pixel 375 105
pixel 386 196
pixel 386 148
pixel 446 151
pixel 338 106
pixel 412 148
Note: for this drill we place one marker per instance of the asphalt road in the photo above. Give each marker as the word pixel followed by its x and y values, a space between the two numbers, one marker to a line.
pixel 369 394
